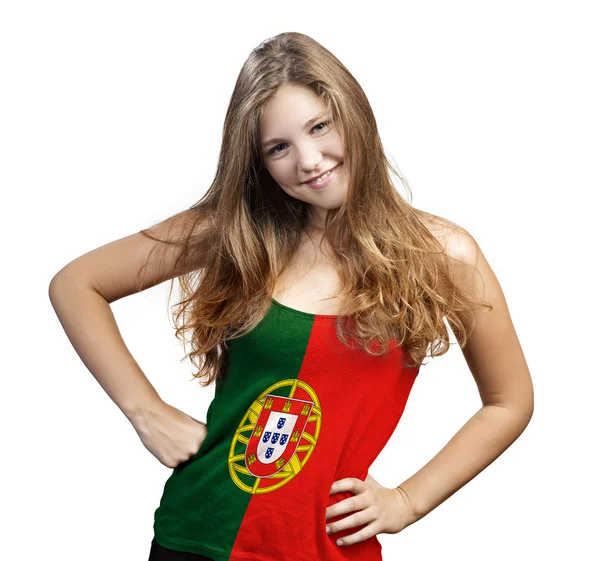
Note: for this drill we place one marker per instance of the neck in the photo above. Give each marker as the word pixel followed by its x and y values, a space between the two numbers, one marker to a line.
pixel 317 219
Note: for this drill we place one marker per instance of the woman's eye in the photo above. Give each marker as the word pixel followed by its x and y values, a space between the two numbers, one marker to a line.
pixel 274 150
pixel 323 123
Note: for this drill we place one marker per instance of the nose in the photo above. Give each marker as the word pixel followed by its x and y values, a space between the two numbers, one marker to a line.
pixel 309 159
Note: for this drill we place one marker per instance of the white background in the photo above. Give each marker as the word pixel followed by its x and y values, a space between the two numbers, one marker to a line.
pixel 110 121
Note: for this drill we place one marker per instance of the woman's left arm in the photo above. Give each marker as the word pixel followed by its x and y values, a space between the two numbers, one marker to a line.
pixel 495 358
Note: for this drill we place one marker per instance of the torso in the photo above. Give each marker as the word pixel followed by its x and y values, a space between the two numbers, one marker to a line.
pixel 309 279
pixel 311 276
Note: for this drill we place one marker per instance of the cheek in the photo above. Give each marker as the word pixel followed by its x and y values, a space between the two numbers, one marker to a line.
pixel 283 174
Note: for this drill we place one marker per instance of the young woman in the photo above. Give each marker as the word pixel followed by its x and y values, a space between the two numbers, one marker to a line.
pixel 312 291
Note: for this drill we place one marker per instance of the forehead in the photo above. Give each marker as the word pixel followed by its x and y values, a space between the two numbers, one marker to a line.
pixel 290 106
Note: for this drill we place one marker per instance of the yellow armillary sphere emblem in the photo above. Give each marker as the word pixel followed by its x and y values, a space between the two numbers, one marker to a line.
pixel 276 437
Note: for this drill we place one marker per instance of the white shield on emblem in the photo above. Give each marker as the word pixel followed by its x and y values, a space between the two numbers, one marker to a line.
pixel 275 436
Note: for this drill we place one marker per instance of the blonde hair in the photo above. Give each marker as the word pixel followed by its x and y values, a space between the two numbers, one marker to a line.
pixel 398 284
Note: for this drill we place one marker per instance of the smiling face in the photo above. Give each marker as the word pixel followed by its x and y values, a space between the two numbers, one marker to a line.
pixel 299 141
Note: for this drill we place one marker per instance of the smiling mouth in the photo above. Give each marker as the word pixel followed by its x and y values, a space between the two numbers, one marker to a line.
pixel 329 170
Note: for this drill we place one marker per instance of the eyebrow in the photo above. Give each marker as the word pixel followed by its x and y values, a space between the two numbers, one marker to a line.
pixel 306 125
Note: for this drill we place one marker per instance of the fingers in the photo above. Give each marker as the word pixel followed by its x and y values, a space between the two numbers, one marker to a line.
pixel 360 536
pixel 373 506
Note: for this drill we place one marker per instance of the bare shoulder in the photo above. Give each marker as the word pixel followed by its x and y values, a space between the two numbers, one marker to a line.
pixel 456 241
pixel 468 264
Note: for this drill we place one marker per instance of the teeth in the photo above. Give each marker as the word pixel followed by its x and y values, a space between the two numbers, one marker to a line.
pixel 320 178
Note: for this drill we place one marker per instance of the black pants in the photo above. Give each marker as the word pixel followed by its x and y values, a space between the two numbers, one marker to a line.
pixel 160 553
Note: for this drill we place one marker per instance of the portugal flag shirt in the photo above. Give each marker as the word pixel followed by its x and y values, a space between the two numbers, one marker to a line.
pixel 295 411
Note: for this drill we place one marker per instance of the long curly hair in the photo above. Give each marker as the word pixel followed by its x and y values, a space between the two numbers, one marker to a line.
pixel 398 283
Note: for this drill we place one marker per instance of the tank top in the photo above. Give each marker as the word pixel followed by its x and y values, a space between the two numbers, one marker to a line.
pixel 296 411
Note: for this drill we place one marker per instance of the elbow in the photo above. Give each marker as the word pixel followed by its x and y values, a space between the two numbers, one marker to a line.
pixel 58 283
pixel 518 411
pixel 53 286
pixel 528 403
pixel 526 413
pixel 523 411
pixel 521 403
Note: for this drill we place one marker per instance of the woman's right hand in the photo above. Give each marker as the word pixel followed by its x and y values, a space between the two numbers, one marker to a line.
pixel 171 435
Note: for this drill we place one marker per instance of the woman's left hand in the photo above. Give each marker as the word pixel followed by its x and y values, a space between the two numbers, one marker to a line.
pixel 385 510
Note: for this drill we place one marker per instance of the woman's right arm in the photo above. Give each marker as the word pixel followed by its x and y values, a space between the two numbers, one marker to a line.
pixel 81 293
